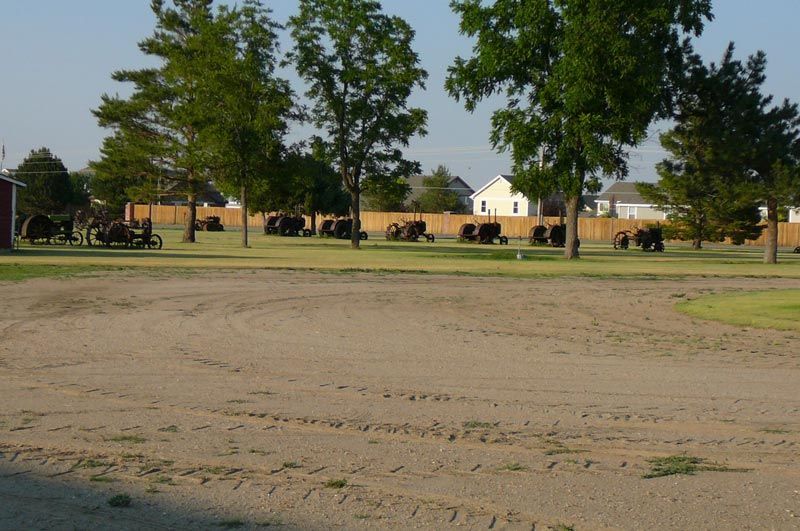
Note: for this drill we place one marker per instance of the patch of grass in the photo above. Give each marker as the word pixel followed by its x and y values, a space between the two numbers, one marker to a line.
pixel 336 484
pixel 373 441
pixel 169 429
pixel 558 450
pixel 684 464
pixel 132 439
pixel 120 500
pixel 231 524
pixel 15 272
pixel 513 467
pixel 776 309
pixel 102 479
pixel 361 516
pixel 291 464
pixel 162 480
pixel 476 424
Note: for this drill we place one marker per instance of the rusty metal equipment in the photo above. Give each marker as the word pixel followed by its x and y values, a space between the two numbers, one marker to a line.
pixel 796 250
pixel 284 225
pixel 341 229
pixel 409 230
pixel 550 234
pixel 485 233
pixel 116 233
pixel 650 239
pixel 209 224
pixel 146 237
pixel 53 230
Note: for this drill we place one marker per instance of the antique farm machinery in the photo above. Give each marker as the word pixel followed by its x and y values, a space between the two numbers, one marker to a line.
pixel 54 230
pixel 285 225
pixel 116 233
pixel 650 239
pixel 550 234
pixel 209 224
pixel 341 229
pixel 409 230
pixel 485 233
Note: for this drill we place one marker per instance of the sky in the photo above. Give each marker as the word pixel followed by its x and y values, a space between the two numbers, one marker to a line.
pixel 56 58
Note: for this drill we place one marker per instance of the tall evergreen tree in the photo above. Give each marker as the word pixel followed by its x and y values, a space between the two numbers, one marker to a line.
pixel 583 81
pixel 438 197
pixel 166 113
pixel 361 69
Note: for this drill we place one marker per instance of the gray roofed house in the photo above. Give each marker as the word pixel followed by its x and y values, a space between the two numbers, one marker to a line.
pixel 622 200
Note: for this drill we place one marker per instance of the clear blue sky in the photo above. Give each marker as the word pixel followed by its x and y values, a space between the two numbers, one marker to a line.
pixel 57 56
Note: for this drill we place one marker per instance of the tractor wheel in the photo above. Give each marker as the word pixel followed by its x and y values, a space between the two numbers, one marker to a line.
pixel 430 237
pixel 797 250
pixel 76 238
pixel 658 247
pixel 363 235
pixel 94 236
pixel 503 240
pixel 155 242
pixel 306 233
pixel 622 240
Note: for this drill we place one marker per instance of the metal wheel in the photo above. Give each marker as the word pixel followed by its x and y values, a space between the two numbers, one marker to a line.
pixel 76 238
pixel 94 236
pixel 430 237
pixel 155 242
pixel 622 240
pixel 797 250
pixel 363 235
pixel 58 239
pixel 503 240
pixel 306 233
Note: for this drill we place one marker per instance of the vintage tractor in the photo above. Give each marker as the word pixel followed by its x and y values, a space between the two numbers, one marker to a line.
pixel 209 224
pixel 55 229
pixel 341 229
pixel 146 237
pixel 286 225
pixel 485 233
pixel 554 235
pixel 650 239
pixel 409 230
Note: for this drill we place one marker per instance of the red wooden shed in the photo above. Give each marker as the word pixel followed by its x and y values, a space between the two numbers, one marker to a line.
pixel 8 207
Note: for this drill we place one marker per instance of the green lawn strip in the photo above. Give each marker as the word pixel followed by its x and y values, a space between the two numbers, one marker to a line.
pixel 222 251
pixel 778 309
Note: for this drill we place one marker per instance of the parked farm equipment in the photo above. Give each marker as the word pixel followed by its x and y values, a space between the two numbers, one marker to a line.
pixel 409 230
pixel 554 235
pixel 209 224
pixel 102 231
pixel 341 229
pixel 485 233
pixel 649 239
pixel 285 225
pixel 53 230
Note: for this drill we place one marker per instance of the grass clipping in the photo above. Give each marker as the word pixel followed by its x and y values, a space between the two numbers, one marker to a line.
pixel 684 464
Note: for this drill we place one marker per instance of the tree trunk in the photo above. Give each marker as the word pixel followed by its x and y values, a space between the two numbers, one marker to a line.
pixel 771 247
pixel 697 244
pixel 313 223
pixel 245 232
pixel 571 246
pixel 191 219
pixel 264 221
pixel 355 208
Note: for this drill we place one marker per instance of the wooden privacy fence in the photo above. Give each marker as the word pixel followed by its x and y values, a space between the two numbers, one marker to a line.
pixel 602 229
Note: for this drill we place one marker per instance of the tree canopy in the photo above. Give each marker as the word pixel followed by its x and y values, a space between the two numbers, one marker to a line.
pixel 361 69
pixel 582 80
pixel 49 187
pixel 437 196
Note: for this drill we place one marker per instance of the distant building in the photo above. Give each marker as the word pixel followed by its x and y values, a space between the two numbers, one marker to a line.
pixel 496 197
pixel 456 184
pixel 623 201
pixel 794 215
pixel 8 209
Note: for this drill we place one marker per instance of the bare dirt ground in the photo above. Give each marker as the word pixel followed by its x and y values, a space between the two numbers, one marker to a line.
pixel 242 399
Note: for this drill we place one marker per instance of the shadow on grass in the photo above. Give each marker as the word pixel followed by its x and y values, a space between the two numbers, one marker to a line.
pixel 34 502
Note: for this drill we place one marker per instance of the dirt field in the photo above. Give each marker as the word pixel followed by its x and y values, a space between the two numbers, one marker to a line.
pixel 249 399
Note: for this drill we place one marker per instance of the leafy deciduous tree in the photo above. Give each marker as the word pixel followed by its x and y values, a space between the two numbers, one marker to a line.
pixel 438 197
pixel 361 69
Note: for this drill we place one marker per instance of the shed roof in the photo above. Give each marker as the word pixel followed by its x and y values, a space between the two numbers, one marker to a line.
pixel 4 176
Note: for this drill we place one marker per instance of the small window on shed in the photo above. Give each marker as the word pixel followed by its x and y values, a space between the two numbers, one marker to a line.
pixel 516 207
pixel 483 206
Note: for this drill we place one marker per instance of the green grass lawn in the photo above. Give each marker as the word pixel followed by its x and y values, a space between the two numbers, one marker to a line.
pixel 223 251
pixel 779 309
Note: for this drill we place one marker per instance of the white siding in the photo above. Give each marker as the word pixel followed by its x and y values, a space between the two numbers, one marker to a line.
pixel 794 215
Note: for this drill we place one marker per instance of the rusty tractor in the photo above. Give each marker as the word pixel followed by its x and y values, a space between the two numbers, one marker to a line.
pixel 485 233
pixel 650 239
pixel 550 234
pixel 285 225
pixel 135 233
pixel 409 230
pixel 209 224
pixel 51 230
pixel 341 229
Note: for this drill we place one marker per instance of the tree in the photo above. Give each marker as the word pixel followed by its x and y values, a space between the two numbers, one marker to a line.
pixel 251 105
pixel 438 197
pixel 361 70
pixel 316 186
pixel 165 116
pixel 583 81
pixel 49 189
pixel 386 195
pixel 705 185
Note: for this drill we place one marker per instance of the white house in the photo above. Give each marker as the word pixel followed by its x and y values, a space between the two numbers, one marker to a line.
pixel 496 196
pixel 794 215
pixel 622 199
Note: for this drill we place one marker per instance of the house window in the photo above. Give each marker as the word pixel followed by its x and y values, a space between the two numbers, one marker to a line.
pixel 602 207
pixel 516 207
pixel 631 212
pixel 483 206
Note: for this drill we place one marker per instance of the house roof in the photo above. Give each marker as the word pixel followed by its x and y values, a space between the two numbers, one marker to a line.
pixel 417 183
pixel 6 177
pixel 624 193
pixel 507 178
